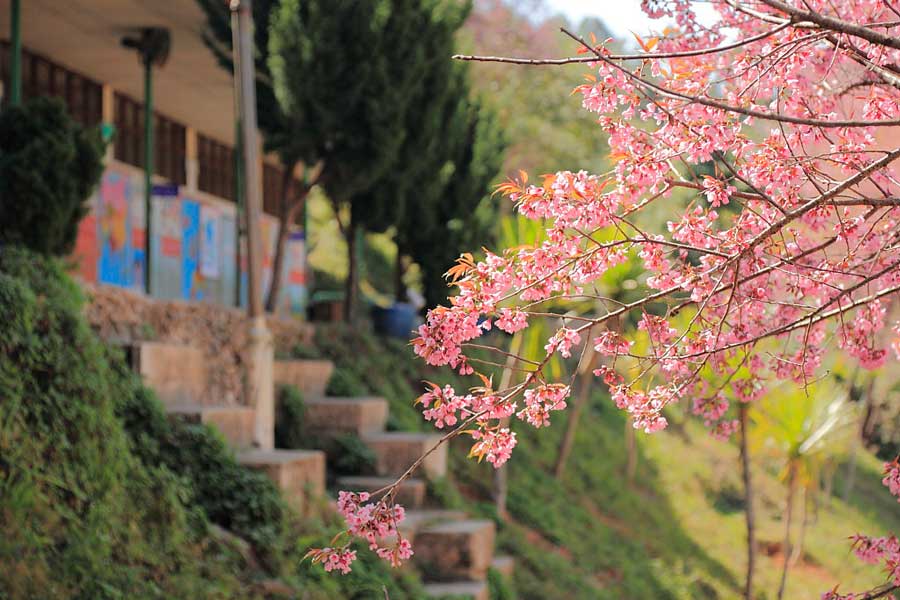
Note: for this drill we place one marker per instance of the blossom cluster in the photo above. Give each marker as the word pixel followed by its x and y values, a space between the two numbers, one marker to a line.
pixel 374 522
pixel 875 550
pixel 764 146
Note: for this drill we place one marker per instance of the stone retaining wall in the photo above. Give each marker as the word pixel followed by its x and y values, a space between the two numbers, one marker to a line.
pixel 222 333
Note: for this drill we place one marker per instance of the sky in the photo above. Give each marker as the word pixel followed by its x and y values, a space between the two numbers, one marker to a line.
pixel 621 16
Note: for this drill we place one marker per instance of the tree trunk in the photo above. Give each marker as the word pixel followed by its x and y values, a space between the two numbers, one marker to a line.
pixel 798 547
pixel 287 214
pixel 789 513
pixel 851 472
pixel 631 448
pixel 352 283
pixel 585 378
pixel 399 288
pixel 501 475
pixel 749 515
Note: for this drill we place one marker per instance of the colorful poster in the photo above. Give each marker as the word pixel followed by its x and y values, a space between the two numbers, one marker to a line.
pixel 85 254
pixel 191 287
pixel 115 266
pixel 269 235
pixel 210 255
pixel 228 266
pixel 194 246
pixel 166 281
pixel 296 273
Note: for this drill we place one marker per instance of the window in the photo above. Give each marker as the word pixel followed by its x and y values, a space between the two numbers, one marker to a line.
pixel 216 166
pixel 129 121
pixel 273 188
pixel 43 77
pixel 169 151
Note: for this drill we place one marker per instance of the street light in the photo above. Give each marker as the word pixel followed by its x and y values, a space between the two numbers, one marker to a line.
pixel 153 45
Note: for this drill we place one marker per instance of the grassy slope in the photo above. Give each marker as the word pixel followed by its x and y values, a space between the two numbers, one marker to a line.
pixel 676 531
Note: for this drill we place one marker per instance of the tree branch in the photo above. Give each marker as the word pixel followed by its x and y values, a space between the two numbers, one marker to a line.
pixel 729 107
pixel 835 24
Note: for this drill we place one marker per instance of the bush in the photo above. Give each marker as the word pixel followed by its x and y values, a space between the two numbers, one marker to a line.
pixel 345 382
pixel 242 501
pixel 500 587
pixel 103 497
pixel 349 455
pixel 304 352
pixel 81 516
pixel 49 166
pixel 290 412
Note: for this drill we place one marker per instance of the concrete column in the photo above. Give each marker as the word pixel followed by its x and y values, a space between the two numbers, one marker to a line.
pixel 261 383
pixel 191 164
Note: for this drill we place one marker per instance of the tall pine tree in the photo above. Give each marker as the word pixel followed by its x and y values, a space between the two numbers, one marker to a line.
pixel 365 91
pixel 346 72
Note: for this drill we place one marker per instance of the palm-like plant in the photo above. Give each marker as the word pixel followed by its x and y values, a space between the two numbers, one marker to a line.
pixel 805 430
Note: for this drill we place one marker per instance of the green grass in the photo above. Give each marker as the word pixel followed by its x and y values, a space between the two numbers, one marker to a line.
pixel 675 531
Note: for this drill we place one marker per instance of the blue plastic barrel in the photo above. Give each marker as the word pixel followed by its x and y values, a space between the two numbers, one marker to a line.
pixel 396 321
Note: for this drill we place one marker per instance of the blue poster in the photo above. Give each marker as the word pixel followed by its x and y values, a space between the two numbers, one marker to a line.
pixel 191 287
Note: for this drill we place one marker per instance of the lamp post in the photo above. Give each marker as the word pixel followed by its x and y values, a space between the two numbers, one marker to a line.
pixel 261 388
pixel 152 45
pixel 15 58
pixel 238 158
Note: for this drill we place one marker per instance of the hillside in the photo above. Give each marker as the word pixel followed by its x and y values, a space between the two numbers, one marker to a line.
pixel 676 530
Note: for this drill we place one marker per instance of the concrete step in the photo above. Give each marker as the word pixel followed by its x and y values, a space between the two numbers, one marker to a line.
pixel 177 373
pixel 423 517
pixel 505 565
pixel 455 550
pixel 411 493
pixel 310 376
pixel 236 423
pixel 331 415
pixel 298 473
pixel 397 450
pixel 474 590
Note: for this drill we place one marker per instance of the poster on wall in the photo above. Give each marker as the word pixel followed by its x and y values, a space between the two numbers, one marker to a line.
pixel 165 246
pixel 228 267
pixel 115 265
pixel 137 221
pixel 210 241
pixel 86 253
pixel 296 273
pixel 191 284
pixel 269 231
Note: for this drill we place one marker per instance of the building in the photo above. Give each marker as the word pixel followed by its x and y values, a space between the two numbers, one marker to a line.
pixel 73 50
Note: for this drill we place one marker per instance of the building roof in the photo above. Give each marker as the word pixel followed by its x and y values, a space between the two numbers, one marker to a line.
pixel 85 36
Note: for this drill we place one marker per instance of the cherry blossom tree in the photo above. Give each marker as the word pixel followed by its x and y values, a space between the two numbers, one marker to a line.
pixel 770 136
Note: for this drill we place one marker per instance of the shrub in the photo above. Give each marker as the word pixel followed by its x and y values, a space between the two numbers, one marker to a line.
pixel 49 165
pixel 103 497
pixel 290 411
pixel 500 587
pixel 345 382
pixel 302 351
pixel 349 455
pixel 81 516
pixel 242 501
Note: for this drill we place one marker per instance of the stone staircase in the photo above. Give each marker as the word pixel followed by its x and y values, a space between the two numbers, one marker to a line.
pixel 178 375
pixel 452 552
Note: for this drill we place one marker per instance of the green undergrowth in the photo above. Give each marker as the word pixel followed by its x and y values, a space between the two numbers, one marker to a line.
pixel 103 497
pixel 675 529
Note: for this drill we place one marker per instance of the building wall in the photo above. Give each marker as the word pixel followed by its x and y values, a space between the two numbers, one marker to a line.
pixel 193 245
